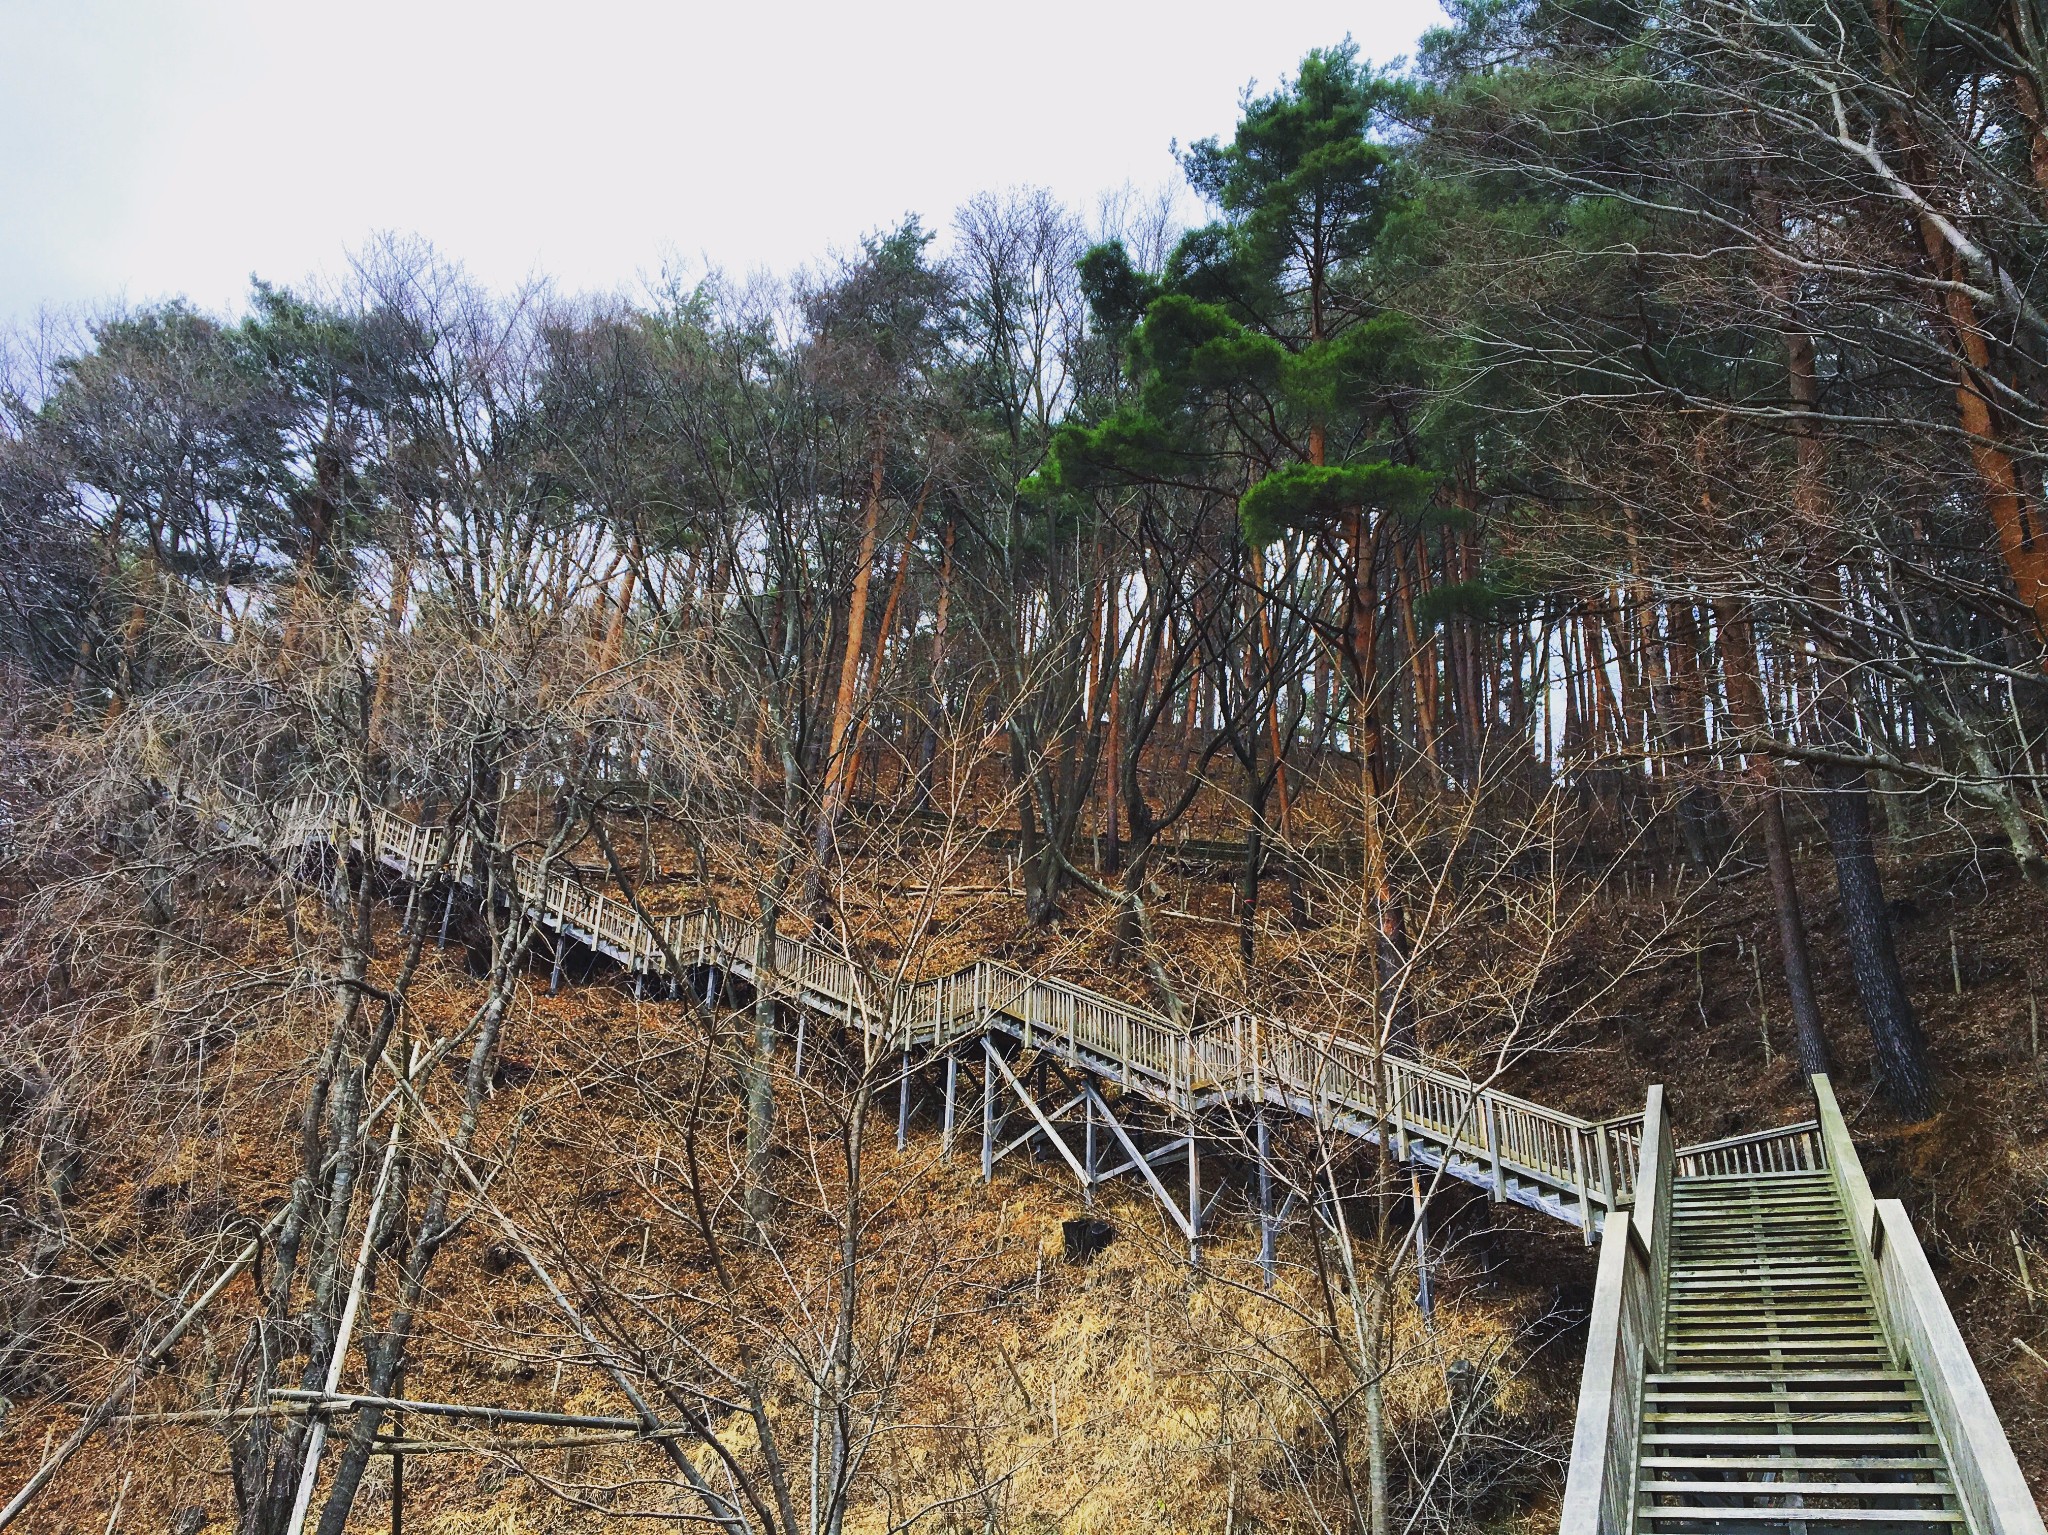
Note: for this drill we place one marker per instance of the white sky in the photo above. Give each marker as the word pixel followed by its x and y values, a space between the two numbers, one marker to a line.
pixel 157 147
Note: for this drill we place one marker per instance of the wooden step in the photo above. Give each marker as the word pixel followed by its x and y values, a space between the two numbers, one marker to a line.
pixel 1788 1419
pixel 1708 1332
pixel 1684 1198
pixel 1784 1198
pixel 1760 1376
pixel 1698 1328
pixel 1845 1272
pixel 1761 1332
pixel 1775 1316
pixel 1829 1399
pixel 1670 1517
pixel 1769 1286
pixel 1834 1239
pixel 1804 1441
pixel 1801 1489
pixel 1927 1465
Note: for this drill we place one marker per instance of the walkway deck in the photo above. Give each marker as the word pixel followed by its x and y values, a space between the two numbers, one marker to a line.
pixel 1768 1350
pixel 1573 1169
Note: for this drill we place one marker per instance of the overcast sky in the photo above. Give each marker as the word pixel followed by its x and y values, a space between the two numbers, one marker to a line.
pixel 160 147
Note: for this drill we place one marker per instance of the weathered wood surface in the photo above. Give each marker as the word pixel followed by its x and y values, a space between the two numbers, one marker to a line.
pixel 1769 1350
pixel 1571 1168
pixel 1754 1297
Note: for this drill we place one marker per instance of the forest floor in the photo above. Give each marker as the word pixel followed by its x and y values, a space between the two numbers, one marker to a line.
pixel 1096 1389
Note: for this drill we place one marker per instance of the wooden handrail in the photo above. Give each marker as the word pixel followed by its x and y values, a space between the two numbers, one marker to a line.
pixel 1924 1339
pixel 1624 1337
pixel 1247 1057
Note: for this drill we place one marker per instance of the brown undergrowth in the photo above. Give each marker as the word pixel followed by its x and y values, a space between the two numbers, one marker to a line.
pixel 1130 1392
pixel 1125 1393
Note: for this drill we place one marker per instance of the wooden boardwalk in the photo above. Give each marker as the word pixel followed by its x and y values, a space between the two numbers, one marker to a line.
pixel 1573 1169
pixel 1768 1352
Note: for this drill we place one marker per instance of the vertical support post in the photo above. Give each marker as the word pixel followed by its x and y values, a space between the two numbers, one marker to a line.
pixel 412 901
pixel 802 1018
pixel 952 1087
pixel 555 973
pixel 1266 1223
pixel 1396 1101
pixel 1194 1198
pixel 988 1110
pixel 447 911
pixel 1088 1148
pixel 397 1476
pixel 1425 1297
pixel 903 1105
pixel 1500 1186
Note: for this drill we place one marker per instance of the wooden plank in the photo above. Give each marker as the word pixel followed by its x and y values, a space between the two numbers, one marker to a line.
pixel 1668 1515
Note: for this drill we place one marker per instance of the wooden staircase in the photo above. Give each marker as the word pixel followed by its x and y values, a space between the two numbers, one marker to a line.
pixel 1769 1352
pixel 1779 1407
pixel 1426 1111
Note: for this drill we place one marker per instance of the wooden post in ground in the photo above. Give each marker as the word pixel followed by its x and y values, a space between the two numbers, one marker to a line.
pixel 1194 1198
pixel 1499 1188
pixel 988 1110
pixel 903 1105
pixel 555 972
pixel 397 1476
pixel 1265 1198
pixel 946 1122
pixel 1425 1295
pixel 447 911
pixel 1088 1149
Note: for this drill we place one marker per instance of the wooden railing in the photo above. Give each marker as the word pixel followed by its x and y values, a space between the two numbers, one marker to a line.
pixel 1478 1132
pixel 1624 1339
pixel 1787 1149
pixel 1924 1339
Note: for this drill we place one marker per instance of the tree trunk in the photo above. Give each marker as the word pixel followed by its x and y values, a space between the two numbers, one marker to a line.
pixel 1745 697
pixel 1902 1067
pixel 838 758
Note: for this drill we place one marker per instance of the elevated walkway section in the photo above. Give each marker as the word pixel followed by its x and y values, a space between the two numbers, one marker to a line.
pixel 1768 1349
pixel 1574 1170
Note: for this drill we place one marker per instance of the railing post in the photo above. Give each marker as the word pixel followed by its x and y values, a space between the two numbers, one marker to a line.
pixel 1395 1095
pixel 1500 1186
pixel 1606 1165
pixel 1656 1166
pixel 1579 1179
